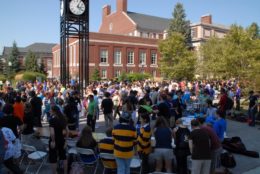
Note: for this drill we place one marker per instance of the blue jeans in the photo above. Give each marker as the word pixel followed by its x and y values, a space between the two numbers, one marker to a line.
pixel 123 165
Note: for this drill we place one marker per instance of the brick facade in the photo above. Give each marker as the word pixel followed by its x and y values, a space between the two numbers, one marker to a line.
pixel 108 46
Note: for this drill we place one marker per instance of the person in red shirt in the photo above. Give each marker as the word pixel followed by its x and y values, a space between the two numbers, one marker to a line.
pixel 223 100
pixel 18 108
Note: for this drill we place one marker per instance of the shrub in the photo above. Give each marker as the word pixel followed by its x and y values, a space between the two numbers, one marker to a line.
pixel 32 76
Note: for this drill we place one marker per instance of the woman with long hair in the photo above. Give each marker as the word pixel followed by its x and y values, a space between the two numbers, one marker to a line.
pixel 57 143
pixel 86 139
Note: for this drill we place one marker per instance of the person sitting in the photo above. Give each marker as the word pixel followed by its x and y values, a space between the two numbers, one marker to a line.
pixel 106 145
pixel 87 141
pixel 163 148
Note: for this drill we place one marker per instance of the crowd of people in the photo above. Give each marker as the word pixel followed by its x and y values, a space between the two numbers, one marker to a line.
pixel 134 113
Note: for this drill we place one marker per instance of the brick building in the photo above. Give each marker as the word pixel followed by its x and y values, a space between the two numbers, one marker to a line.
pixel 133 39
pixel 112 55
pixel 43 52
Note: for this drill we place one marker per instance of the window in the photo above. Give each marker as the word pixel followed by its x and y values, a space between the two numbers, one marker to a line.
pixel 207 33
pixel 194 32
pixel 153 58
pixel 130 71
pixel 130 57
pixel 117 73
pixel 103 56
pixel 142 58
pixel 104 74
pixel 117 57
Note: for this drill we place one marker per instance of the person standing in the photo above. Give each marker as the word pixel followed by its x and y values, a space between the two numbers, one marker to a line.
pixel 91 116
pixel 181 134
pixel 36 103
pixel 220 125
pixel 18 108
pixel 238 97
pixel 107 107
pixel 144 147
pixel 199 144
pixel 252 108
pixel 124 135
pixel 57 144
pixel 116 102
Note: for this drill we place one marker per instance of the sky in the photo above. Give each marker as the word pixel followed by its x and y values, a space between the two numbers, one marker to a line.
pixel 30 21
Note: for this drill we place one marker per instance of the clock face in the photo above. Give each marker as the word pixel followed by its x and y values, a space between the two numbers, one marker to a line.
pixel 61 7
pixel 77 7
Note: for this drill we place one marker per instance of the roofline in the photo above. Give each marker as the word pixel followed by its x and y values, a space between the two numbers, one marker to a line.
pixel 210 25
pixel 125 13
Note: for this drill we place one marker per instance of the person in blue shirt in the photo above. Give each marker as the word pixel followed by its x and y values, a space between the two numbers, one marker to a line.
pixel 220 125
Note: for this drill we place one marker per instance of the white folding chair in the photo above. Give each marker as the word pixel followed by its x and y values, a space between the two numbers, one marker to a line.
pixel 88 152
pixel 34 155
pixel 135 164
pixel 107 157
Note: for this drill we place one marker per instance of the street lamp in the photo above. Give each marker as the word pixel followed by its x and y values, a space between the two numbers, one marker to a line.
pixel 10 70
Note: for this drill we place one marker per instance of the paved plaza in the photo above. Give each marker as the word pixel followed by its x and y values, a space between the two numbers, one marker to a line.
pixel 245 165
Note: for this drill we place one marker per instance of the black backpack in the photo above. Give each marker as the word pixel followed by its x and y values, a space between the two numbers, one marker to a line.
pixel 228 160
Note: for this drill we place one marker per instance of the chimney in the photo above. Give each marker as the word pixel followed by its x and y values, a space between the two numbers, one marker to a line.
pixel 106 10
pixel 121 5
pixel 206 19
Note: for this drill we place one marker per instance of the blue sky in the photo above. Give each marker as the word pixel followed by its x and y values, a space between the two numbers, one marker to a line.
pixel 29 21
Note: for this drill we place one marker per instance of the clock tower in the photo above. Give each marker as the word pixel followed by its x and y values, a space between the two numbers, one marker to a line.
pixel 74 23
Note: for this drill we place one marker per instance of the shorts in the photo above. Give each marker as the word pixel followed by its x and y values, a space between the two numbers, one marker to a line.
pixel 56 153
pixel 163 154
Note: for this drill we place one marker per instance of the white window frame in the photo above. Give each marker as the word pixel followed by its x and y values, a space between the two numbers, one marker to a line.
pixel 117 57
pixel 103 73
pixel 142 58
pixel 153 58
pixel 117 73
pixel 130 56
pixel 103 55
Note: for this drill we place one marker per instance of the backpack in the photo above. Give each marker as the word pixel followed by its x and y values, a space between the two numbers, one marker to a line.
pixel 228 160
pixel 229 104
pixel 182 139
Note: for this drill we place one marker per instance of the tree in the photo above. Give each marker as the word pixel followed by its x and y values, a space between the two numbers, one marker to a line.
pixel 180 24
pixel 235 56
pixel 42 68
pixel 177 62
pixel 12 61
pixel 31 62
pixel 253 31
pixel 96 76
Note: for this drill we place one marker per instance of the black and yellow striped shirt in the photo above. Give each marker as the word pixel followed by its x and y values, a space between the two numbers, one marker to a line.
pixel 107 146
pixel 124 136
pixel 144 140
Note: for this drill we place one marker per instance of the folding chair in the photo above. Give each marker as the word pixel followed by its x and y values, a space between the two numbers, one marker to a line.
pixel 88 157
pixel 33 155
pixel 135 164
pixel 108 161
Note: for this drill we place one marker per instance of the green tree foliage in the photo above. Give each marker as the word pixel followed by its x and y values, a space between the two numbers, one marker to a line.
pixel 31 62
pixel 42 68
pixel 12 61
pixel 253 31
pixel 235 56
pixel 177 62
pixel 180 24
pixel 96 75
